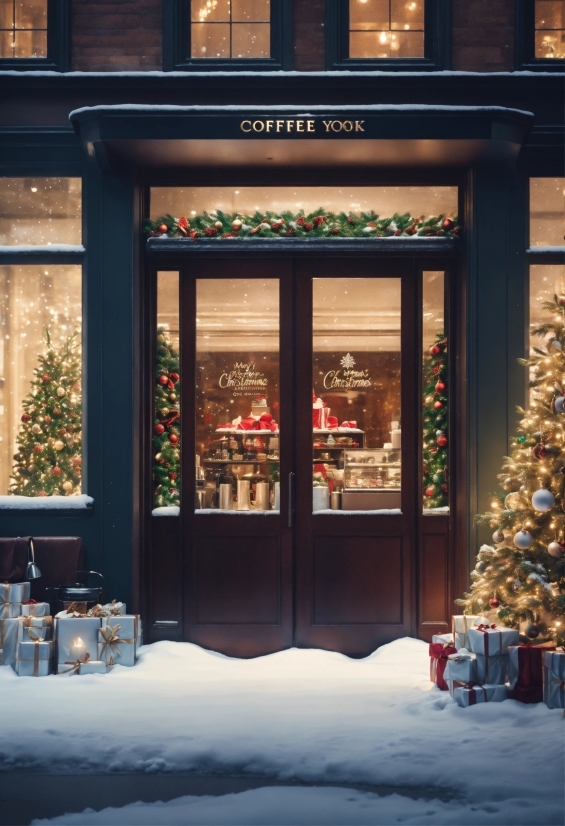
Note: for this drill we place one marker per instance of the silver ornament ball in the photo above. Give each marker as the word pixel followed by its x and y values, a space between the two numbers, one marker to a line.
pixel 516 585
pixel 560 404
pixel 523 540
pixel 543 500
pixel 480 567
pixel 498 537
pixel 556 550
pixel 556 344
pixel 532 631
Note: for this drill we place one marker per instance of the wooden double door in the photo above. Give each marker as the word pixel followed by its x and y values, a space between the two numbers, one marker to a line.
pixel 301 399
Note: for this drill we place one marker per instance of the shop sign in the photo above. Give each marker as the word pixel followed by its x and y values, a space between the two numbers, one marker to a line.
pixel 347 378
pixel 244 379
pixel 290 126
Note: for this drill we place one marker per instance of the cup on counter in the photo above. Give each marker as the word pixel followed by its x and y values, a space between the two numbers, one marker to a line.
pixel 262 496
pixel 243 495
pixel 226 497
pixel 335 500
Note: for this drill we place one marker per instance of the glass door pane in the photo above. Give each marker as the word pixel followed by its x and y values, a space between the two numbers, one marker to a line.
pixel 356 394
pixel 237 395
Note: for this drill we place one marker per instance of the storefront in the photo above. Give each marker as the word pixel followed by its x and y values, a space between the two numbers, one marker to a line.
pixel 294 406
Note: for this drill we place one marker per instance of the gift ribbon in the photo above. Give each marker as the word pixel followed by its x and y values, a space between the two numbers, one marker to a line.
pixel 75 665
pixel 485 630
pixel 470 686
pixel 44 622
pixel 113 641
pixel 35 658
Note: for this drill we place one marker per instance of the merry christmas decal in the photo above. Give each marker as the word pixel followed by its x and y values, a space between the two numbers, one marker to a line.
pixel 347 378
pixel 244 379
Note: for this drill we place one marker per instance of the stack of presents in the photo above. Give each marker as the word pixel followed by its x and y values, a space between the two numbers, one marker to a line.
pixel 75 641
pixel 482 662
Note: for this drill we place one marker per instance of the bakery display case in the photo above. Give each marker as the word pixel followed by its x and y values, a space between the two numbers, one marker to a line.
pixel 371 478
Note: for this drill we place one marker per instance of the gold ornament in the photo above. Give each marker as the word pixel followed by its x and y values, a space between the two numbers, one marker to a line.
pixel 35 428
pixel 218 225
pixel 67 485
pixel 237 224
pixel 59 445
pixel 61 391
pixel 514 502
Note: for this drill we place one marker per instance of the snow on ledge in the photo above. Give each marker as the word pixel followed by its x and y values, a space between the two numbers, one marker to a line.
pixel 166 510
pixel 46 503
pixel 15 249
pixel 435 511
pixel 379 512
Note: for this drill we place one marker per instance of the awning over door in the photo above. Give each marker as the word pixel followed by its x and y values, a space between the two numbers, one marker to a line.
pixel 165 137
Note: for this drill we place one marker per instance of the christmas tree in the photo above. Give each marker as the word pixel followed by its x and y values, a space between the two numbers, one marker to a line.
pixel 166 425
pixel 48 461
pixel 435 425
pixel 522 574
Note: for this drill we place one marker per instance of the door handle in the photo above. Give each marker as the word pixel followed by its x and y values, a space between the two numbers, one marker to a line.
pixel 290 499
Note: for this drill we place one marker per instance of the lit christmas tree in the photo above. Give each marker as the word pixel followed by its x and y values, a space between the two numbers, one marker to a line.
pixel 166 425
pixel 435 425
pixel 49 461
pixel 522 575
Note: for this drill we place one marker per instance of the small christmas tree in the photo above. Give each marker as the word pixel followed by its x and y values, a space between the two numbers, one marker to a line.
pixel 166 425
pixel 48 461
pixel 522 575
pixel 435 425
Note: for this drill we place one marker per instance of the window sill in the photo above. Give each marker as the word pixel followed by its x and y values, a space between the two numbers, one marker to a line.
pixel 82 505
pixel 541 65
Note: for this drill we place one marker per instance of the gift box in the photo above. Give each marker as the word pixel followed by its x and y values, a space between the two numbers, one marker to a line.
pixel 473 693
pixel 117 640
pixel 34 659
pixel 14 592
pixel 554 679
pixel 30 628
pixel 439 652
pixel 491 640
pixel 525 671
pixel 460 624
pixel 92 667
pixel 9 610
pixel 461 667
pixel 446 639
pixel 69 630
pixel 8 641
pixel 492 669
pixel 31 608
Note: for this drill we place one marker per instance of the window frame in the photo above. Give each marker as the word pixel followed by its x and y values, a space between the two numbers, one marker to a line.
pixel 525 42
pixel 58 50
pixel 437 41
pixel 176 42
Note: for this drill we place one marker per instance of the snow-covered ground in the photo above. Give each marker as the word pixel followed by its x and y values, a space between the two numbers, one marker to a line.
pixel 298 715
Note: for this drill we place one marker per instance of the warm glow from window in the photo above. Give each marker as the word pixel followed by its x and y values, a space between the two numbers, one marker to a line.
pixel 224 29
pixel 23 29
pixel 386 28
pixel 550 29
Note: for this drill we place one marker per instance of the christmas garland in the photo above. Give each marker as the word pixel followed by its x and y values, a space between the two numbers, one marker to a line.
pixel 318 224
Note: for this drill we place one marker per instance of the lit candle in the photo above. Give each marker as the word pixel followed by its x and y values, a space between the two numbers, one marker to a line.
pixel 78 650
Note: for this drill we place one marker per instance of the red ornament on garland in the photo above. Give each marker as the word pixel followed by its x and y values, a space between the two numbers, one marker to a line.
pixel 159 429
pixel 174 377
pixel 26 417
pixel 163 228
pixel 442 441
pixel 447 224
pixel 429 491
pixel 48 419
pixel 163 380
pixel 438 405
pixel 46 377
pixel 440 387
pixel 539 451
pixel 56 471
pixel 494 603
pixel 37 448
pixel 435 350
pixel 173 438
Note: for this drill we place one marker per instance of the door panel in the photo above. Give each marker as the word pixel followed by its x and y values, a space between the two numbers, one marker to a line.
pixel 354 569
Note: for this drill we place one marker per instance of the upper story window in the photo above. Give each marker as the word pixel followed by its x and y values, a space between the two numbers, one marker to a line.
pixel 388 34
pixel 540 35
pixel 34 34
pixel 205 35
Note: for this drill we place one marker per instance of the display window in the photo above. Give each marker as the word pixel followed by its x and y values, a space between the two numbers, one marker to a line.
pixel 23 29
pixel 547 212
pixel 40 211
pixel 550 29
pixel 166 399
pixel 386 28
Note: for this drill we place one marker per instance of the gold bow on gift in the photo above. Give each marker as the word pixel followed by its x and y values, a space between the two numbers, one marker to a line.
pixel 113 641
pixel 75 665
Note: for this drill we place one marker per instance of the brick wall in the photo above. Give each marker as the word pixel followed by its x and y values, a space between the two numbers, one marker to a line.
pixel 116 35
pixel 483 35
pixel 309 35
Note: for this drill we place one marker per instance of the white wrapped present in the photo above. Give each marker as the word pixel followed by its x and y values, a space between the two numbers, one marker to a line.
pixel 491 640
pixel 446 639
pixel 9 610
pixel 492 669
pixel 471 694
pixel 14 591
pixel 460 624
pixel 76 637
pixel 30 628
pixel 461 667
pixel 34 659
pixel 92 667
pixel 8 641
pixel 117 640
pixel 35 609
pixel 554 679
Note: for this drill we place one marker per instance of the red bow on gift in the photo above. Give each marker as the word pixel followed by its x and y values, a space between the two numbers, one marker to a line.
pixel 30 602
pixel 482 627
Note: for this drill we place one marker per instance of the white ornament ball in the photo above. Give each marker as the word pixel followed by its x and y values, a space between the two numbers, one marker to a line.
pixel 543 500
pixel 59 445
pixel 67 485
pixel 556 344
pixel 523 539
pixel 61 391
pixel 35 428
pixel 498 537
pixel 556 550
